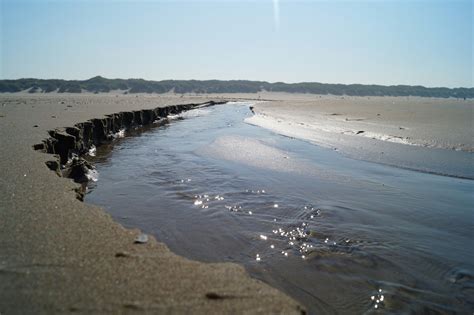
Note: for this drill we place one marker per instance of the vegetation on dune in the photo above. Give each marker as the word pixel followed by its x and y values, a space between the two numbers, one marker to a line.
pixel 99 84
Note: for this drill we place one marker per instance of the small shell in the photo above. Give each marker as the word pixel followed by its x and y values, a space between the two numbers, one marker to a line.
pixel 141 239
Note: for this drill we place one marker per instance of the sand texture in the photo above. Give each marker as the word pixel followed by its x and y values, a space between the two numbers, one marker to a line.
pixel 59 255
pixel 427 122
pixel 425 134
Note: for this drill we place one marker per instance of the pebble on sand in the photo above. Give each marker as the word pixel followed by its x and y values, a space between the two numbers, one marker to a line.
pixel 141 239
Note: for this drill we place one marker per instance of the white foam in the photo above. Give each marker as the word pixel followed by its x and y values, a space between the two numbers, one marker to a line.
pixel 92 175
pixel 194 113
pixel 92 150
pixel 119 134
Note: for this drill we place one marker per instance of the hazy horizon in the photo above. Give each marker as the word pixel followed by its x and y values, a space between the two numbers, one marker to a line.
pixel 271 82
pixel 354 42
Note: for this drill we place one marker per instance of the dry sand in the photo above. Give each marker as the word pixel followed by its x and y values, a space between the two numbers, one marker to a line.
pixel 59 255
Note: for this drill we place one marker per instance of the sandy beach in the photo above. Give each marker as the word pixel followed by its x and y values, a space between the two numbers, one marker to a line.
pixel 58 254
pixel 259 157
pixel 411 132
pixel 329 230
pixel 428 122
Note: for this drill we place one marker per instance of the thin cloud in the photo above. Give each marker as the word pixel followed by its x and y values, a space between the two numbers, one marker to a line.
pixel 276 14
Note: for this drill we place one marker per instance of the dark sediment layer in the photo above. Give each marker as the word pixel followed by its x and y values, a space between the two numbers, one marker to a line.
pixel 70 144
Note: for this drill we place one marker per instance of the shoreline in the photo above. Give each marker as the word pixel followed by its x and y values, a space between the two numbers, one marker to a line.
pixel 60 255
pixel 213 153
pixel 70 144
pixel 376 131
pixel 269 122
pixel 261 123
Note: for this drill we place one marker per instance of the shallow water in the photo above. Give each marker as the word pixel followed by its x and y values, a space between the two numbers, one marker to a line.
pixel 331 231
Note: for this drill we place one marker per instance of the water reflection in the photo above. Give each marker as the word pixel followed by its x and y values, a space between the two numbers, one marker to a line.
pixel 341 236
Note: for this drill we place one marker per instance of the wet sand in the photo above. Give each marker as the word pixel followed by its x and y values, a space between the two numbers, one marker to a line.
pixel 427 134
pixel 328 230
pixel 429 122
pixel 58 254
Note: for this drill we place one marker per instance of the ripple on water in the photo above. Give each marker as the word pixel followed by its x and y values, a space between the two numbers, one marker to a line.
pixel 322 241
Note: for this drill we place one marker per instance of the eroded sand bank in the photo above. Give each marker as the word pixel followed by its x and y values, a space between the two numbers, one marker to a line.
pixel 58 254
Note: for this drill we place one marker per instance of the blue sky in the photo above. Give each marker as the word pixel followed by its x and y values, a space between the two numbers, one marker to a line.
pixel 374 42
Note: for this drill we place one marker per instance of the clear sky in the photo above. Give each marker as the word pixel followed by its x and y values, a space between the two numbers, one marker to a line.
pixel 374 42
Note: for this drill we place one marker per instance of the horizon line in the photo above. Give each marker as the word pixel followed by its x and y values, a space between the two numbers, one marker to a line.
pixel 248 80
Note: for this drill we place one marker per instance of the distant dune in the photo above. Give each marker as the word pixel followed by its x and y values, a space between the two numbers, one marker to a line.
pixel 100 84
